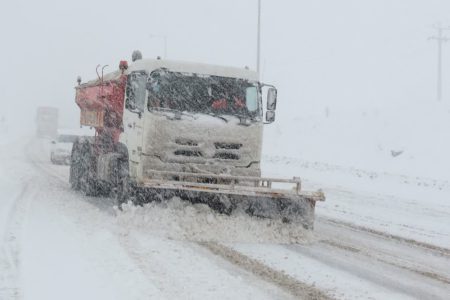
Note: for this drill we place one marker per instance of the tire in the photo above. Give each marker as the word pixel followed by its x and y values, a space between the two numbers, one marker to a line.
pixel 90 187
pixel 88 182
pixel 75 172
pixel 123 187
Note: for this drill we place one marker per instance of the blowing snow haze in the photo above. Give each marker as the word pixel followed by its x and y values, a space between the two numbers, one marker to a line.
pixel 184 192
pixel 323 56
pixel 316 51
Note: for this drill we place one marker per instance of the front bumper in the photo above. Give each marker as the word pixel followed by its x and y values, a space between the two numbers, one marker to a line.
pixel 262 197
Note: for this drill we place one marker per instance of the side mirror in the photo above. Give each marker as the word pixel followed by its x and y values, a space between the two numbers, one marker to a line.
pixel 272 99
pixel 270 116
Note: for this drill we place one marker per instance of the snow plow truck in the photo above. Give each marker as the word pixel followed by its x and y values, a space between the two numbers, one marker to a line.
pixel 175 129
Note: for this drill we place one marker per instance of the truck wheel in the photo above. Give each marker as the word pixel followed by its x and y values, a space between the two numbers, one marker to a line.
pixel 123 188
pixel 74 178
pixel 122 193
pixel 88 183
pixel 90 187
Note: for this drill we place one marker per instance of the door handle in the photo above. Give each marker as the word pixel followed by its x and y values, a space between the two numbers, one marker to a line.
pixel 130 126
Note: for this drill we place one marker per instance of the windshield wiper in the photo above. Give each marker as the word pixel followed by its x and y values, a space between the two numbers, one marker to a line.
pixel 188 113
pixel 243 117
pixel 177 113
pixel 217 116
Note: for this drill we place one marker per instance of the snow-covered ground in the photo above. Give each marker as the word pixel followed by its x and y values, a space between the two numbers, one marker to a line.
pixel 363 136
pixel 410 207
pixel 57 244
pixel 382 233
pixel 347 153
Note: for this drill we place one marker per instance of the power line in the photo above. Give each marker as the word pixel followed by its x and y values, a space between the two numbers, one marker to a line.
pixel 441 39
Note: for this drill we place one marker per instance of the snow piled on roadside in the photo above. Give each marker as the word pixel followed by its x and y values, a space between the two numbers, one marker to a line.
pixel 399 138
pixel 180 220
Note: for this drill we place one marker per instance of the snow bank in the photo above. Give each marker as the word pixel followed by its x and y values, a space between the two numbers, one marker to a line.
pixel 180 220
pixel 402 138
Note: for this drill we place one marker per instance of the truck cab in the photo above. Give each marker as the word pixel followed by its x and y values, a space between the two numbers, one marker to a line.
pixel 186 117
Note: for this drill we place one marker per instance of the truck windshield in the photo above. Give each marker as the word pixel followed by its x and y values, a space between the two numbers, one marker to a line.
pixel 202 93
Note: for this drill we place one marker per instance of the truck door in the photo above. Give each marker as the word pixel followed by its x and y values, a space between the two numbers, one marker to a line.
pixel 133 122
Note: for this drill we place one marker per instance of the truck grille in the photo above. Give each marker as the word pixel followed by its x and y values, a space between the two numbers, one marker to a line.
pixel 215 150
pixel 226 155
pixel 228 146
pixel 184 152
pixel 186 142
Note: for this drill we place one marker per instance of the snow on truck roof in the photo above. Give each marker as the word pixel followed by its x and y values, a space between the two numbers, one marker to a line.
pixel 190 67
pixel 185 67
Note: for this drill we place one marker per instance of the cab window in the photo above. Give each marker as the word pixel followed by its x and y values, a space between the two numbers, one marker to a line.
pixel 135 91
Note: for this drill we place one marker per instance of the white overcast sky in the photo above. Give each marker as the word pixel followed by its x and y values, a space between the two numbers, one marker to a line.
pixel 316 51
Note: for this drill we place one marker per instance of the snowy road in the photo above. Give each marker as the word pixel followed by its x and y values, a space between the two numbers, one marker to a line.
pixel 58 244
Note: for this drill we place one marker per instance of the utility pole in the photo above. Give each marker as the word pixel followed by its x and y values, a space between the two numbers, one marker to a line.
pixel 441 39
pixel 258 46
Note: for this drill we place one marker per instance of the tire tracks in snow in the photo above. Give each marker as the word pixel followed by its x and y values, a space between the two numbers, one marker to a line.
pixel 137 253
pixel 252 268
pixel 372 250
pixel 377 273
pixel 411 242
pixel 391 258
pixel 404 266
pixel 305 291
pixel 10 262
pixel 286 282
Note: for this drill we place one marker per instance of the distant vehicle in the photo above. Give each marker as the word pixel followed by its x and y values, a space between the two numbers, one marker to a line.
pixel 46 122
pixel 61 148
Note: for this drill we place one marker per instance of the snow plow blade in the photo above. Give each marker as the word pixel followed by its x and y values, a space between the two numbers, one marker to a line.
pixel 271 198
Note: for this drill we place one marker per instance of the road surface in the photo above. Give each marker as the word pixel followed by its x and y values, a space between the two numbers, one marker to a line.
pixel 58 244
